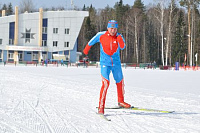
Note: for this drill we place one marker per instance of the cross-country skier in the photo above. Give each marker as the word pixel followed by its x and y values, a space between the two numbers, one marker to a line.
pixel 111 43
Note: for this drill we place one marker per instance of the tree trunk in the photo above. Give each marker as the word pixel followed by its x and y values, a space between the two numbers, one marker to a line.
pixel 191 38
pixel 189 33
pixel 126 53
pixel 169 34
pixel 144 36
pixel 136 39
pixel 162 33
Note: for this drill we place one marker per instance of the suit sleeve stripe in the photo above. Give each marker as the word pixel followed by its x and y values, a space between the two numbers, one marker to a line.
pixel 95 39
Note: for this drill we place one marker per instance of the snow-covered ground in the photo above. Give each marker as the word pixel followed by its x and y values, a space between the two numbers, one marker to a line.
pixel 64 100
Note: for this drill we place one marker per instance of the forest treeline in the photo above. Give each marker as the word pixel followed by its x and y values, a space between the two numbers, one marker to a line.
pixel 166 32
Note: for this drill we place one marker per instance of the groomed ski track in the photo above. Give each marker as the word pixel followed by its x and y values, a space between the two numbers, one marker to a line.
pixel 63 100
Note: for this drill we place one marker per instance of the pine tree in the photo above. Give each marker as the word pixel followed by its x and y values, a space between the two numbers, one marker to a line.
pixel 120 10
pixel 84 9
pixel 4 7
pixel 179 47
pixel 10 9
pixel 138 4
pixel 137 17
pixel 89 33
pixel 152 43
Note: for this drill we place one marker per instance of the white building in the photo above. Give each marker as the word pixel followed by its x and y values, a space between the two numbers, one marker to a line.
pixel 37 36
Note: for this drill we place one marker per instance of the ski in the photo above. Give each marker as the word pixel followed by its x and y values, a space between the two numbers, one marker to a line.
pixel 104 117
pixel 141 109
pixel 151 110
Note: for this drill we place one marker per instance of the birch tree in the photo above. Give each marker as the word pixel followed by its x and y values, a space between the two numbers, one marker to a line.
pixel 168 39
pixel 135 20
pixel 138 4
pixel 160 17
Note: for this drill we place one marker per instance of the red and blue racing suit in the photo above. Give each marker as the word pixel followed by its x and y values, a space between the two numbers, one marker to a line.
pixel 110 47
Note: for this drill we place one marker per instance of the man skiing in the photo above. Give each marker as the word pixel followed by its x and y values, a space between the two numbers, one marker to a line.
pixel 111 43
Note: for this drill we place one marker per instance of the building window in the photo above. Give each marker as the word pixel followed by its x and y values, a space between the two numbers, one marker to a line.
pixel 1 41
pixel 35 56
pixel 44 30
pixel 67 31
pixel 55 43
pixel 55 30
pixel 66 44
pixel 10 55
pixel 44 43
pixel 11 41
pixel 0 55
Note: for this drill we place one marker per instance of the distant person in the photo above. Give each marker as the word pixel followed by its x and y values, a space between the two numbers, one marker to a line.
pixel 42 62
pixel 85 62
pixel 154 63
pixel 62 62
pixel 46 62
pixel 111 43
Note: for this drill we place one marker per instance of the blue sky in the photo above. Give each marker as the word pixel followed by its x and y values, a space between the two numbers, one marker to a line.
pixel 78 3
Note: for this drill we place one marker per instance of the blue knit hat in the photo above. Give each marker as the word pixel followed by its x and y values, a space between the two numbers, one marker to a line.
pixel 112 24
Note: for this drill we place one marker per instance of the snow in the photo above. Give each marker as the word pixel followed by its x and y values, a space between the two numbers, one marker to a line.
pixel 64 100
